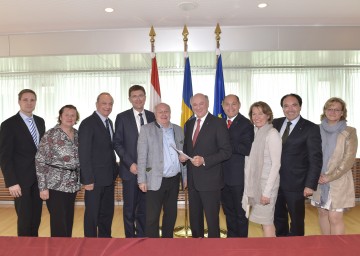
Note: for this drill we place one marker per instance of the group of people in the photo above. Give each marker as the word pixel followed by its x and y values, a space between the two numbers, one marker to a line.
pixel 259 169
pixel 285 161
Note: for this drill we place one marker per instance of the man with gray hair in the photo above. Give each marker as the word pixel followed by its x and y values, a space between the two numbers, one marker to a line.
pixel 159 170
pixel 207 142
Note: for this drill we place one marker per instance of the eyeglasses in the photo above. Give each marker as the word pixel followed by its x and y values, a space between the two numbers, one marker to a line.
pixel 333 110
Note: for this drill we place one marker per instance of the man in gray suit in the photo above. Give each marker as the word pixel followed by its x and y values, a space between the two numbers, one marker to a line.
pixel 159 170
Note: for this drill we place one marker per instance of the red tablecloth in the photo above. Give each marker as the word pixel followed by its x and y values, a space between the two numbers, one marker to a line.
pixel 309 246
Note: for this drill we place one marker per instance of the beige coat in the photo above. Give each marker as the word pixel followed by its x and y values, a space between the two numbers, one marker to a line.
pixel 342 191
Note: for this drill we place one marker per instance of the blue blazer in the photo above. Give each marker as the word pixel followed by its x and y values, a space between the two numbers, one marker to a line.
pixel 301 157
pixel 17 151
pixel 125 141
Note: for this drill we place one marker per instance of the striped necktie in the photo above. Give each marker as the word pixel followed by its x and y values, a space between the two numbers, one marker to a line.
pixel 33 131
pixel 197 130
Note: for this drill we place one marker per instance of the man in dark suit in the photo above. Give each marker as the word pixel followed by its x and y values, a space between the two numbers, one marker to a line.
pixel 241 137
pixel 301 162
pixel 98 168
pixel 207 142
pixel 127 128
pixel 19 138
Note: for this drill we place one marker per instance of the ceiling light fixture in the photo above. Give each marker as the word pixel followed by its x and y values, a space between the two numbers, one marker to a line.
pixel 262 5
pixel 187 6
pixel 109 9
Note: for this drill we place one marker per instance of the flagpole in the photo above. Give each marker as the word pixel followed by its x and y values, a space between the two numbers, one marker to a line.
pixel 152 35
pixel 217 38
pixel 184 231
pixel 223 232
pixel 155 92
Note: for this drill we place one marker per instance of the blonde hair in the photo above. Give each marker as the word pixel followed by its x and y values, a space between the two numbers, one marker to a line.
pixel 330 102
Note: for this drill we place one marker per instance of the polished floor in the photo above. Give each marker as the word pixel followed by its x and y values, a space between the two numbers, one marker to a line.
pixel 8 222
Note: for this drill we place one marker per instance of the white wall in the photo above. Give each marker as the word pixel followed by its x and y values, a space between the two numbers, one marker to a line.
pixel 171 40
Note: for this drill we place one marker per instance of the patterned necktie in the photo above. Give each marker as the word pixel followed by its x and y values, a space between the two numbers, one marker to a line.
pixel 229 122
pixel 108 126
pixel 141 119
pixel 197 130
pixel 33 131
pixel 286 132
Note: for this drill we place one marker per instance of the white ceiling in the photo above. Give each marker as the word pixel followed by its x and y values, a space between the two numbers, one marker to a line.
pixel 24 16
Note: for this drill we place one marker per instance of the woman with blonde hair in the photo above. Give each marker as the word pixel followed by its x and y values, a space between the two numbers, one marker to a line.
pixel 335 191
pixel 262 169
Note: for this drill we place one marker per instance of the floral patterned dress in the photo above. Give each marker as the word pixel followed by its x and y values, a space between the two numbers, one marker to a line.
pixel 57 161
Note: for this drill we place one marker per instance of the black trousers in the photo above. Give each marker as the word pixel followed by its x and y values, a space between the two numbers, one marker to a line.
pixel 236 222
pixel 28 209
pixel 207 202
pixel 134 209
pixel 166 198
pixel 293 204
pixel 99 211
pixel 61 208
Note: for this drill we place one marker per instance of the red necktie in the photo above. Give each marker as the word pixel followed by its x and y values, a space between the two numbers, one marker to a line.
pixel 229 122
pixel 197 130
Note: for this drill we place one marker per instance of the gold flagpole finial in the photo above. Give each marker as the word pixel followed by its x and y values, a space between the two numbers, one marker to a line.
pixel 152 35
pixel 185 34
pixel 217 33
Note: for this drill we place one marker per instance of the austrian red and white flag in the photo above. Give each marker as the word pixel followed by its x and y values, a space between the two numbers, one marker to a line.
pixel 155 94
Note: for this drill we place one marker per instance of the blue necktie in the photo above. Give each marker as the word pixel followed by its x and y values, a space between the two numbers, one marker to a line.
pixel 33 131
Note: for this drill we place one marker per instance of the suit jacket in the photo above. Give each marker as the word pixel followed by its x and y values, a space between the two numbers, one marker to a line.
pixel 96 153
pixel 17 151
pixel 151 154
pixel 301 157
pixel 241 137
pixel 125 141
pixel 213 143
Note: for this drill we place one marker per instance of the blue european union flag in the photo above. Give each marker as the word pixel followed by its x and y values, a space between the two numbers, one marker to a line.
pixel 219 92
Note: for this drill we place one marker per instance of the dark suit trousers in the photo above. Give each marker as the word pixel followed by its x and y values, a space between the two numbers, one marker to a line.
pixel 28 209
pixel 99 211
pixel 208 202
pixel 236 222
pixel 166 198
pixel 61 208
pixel 134 209
pixel 293 204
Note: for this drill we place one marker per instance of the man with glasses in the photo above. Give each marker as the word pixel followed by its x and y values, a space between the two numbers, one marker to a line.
pixel 301 162
pixel 127 129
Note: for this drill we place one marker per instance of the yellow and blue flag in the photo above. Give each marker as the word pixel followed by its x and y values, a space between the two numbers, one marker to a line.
pixel 186 111
pixel 219 92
